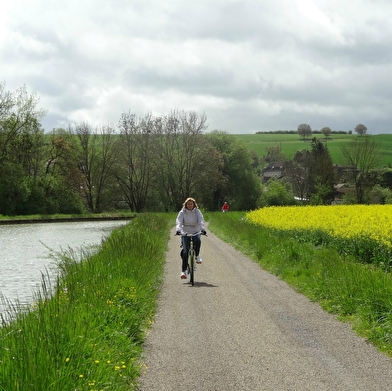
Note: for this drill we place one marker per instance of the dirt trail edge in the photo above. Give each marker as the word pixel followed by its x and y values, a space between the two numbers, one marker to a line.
pixel 240 328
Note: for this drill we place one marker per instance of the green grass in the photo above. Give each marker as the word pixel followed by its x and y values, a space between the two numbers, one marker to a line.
pixel 291 143
pixel 356 292
pixel 87 331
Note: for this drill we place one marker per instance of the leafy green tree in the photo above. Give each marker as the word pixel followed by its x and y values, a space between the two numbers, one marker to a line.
pixel 321 173
pixel 257 162
pixel 381 195
pixel 322 193
pixel 274 154
pixel 6 101
pixel 19 126
pixel 386 178
pixel 63 179
pixel 241 186
pixel 21 141
pixel 51 194
pixel 14 189
pixel 276 193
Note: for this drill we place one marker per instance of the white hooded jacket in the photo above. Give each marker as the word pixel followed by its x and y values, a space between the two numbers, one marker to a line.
pixel 190 221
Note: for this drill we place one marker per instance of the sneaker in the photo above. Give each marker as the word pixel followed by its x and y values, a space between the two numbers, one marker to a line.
pixel 199 260
pixel 183 276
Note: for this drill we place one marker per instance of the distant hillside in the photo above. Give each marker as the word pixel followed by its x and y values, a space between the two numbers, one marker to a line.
pixel 290 143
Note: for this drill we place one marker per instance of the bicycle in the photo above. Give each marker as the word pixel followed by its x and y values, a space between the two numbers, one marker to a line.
pixel 192 258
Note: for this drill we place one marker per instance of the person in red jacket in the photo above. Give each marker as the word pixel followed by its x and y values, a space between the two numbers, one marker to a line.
pixel 225 207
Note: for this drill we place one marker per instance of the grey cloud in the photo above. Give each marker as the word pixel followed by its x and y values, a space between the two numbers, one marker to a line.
pixel 248 65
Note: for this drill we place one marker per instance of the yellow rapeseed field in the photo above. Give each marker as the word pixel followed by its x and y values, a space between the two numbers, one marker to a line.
pixel 344 221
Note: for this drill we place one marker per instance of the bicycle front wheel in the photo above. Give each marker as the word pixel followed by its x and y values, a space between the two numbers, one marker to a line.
pixel 191 265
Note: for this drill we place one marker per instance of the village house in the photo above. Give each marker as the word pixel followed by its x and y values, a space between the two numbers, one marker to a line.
pixel 272 170
pixel 276 170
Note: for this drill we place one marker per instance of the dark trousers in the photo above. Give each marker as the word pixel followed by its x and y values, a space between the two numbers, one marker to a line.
pixel 186 240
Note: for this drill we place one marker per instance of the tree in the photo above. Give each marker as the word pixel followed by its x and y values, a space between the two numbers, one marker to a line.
pixel 361 129
pixel 241 186
pixel 326 131
pixel 14 190
pixel 297 173
pixel 6 101
pixel 21 141
pixel 381 195
pixel 311 173
pixel 187 164
pixel 276 193
pixel 257 162
pixel 274 154
pixel 304 130
pixel 96 159
pixel 178 157
pixel 136 166
pixel 362 156
pixel 386 178
pixel 52 180
pixel 19 125
pixel 321 173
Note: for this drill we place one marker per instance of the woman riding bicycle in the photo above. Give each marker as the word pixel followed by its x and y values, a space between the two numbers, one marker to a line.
pixel 189 221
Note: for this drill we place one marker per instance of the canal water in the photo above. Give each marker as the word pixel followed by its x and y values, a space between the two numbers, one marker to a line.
pixel 25 253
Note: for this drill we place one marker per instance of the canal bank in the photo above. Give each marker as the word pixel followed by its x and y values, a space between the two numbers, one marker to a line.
pixel 89 335
pixel 55 219
pixel 28 251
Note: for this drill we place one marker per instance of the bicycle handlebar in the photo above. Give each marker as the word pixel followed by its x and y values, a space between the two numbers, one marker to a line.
pixel 194 234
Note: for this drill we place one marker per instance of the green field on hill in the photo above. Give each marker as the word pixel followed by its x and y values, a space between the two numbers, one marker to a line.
pixel 290 143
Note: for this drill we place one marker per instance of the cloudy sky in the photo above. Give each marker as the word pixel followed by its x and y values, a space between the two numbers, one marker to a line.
pixel 250 65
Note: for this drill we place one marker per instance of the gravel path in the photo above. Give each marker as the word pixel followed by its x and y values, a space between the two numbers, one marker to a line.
pixel 240 328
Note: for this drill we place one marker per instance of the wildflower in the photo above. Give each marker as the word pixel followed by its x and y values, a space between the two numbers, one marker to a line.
pixel 67 359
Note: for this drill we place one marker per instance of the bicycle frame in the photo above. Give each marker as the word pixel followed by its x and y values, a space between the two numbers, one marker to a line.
pixel 191 258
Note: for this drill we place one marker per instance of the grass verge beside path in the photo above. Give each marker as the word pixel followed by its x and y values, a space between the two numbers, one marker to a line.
pixel 87 332
pixel 358 293
pixel 20 219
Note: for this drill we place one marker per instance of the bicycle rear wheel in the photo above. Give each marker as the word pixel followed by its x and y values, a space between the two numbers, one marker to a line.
pixel 191 266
